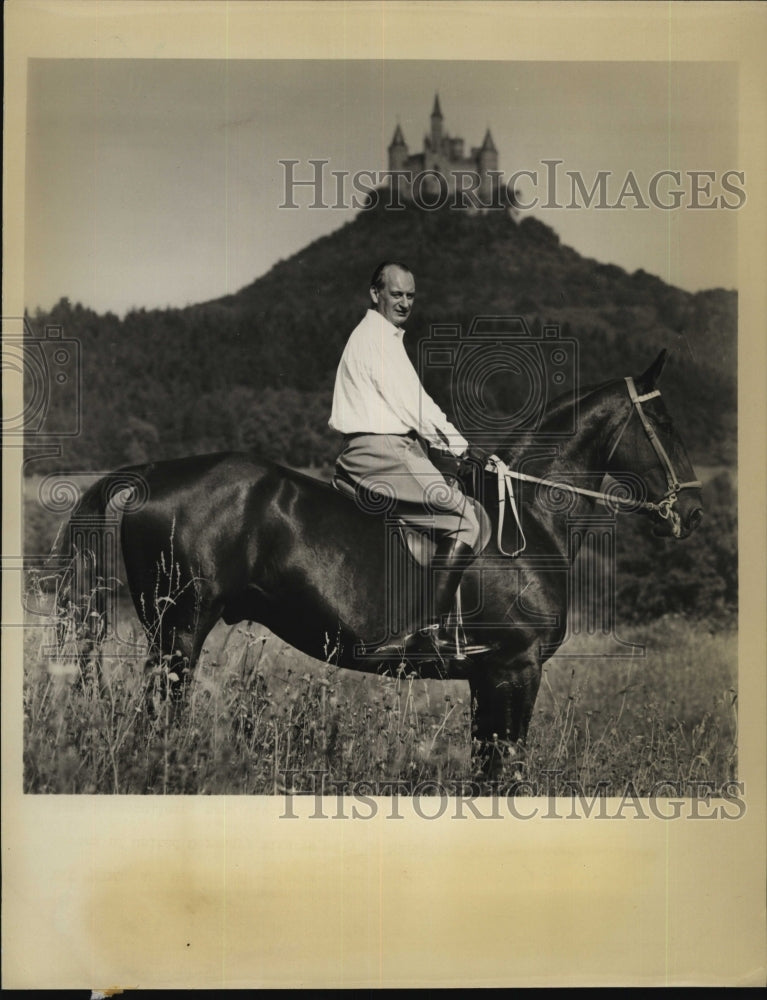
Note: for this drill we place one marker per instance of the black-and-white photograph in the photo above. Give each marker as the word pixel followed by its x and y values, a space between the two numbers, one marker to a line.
pixel 379 441
pixel 437 387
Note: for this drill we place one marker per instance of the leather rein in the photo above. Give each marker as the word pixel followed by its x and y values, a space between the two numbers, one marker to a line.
pixel 664 508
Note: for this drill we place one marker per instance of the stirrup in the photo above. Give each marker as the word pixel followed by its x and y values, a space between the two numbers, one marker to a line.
pixel 454 649
pixel 429 643
pixel 401 646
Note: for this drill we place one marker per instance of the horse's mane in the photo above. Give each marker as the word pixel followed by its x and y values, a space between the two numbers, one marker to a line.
pixel 567 399
pixel 556 408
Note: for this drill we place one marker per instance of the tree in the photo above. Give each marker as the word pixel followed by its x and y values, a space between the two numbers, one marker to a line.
pixel 139 440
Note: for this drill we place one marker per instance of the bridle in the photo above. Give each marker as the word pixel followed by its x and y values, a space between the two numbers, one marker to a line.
pixel 664 508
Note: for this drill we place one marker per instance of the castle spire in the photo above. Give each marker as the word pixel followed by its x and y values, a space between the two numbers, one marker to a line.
pixel 398 139
pixel 436 126
pixel 398 151
pixel 488 145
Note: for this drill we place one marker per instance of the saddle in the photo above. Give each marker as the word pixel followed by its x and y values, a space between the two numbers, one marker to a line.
pixel 420 546
pixel 418 543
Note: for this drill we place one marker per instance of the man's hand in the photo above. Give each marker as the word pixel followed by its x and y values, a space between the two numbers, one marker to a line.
pixel 479 456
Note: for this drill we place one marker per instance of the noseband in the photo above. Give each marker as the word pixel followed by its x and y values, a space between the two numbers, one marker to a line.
pixel 664 508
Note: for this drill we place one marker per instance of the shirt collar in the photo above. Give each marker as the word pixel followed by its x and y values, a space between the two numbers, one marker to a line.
pixel 374 316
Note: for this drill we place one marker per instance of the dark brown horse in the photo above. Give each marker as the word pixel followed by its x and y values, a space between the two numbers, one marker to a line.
pixel 229 536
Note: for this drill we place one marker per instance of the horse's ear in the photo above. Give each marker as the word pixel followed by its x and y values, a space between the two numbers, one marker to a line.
pixel 648 379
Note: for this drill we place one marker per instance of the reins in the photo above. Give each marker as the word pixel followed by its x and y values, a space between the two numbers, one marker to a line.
pixel 663 508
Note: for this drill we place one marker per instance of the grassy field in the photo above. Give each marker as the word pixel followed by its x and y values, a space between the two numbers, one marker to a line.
pixel 259 715
pixel 260 718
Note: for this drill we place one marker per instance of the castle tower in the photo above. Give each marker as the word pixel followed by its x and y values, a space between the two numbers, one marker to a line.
pixel 487 160
pixel 398 151
pixel 436 126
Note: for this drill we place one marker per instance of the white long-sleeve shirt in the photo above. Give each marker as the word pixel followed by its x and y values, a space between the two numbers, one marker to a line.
pixel 377 389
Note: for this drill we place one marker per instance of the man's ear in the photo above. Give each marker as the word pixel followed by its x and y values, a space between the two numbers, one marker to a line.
pixel 374 295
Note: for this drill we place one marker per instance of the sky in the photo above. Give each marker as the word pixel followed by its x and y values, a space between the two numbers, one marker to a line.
pixel 154 183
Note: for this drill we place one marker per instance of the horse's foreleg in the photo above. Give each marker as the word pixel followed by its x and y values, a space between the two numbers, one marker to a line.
pixel 502 706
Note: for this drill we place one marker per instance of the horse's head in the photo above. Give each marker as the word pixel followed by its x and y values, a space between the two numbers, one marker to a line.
pixel 646 444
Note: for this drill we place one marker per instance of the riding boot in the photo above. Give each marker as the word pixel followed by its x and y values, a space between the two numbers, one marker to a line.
pixel 433 640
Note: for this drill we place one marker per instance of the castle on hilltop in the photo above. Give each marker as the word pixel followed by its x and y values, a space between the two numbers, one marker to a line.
pixel 476 174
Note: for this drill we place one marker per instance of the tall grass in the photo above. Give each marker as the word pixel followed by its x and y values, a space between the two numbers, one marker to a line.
pixel 259 717
pixel 668 716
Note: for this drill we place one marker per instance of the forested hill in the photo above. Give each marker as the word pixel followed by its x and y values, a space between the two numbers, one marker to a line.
pixel 255 369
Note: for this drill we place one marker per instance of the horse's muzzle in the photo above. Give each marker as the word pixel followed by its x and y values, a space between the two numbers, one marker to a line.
pixel 680 523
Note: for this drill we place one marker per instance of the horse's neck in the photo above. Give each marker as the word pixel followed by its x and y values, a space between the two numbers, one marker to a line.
pixel 551 452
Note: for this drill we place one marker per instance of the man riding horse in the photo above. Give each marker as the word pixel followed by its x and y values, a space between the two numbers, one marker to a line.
pixel 385 414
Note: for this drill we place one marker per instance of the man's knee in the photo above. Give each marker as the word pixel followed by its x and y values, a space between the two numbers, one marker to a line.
pixel 469 531
pixel 484 527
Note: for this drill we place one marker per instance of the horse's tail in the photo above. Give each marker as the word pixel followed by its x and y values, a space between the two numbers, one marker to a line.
pixel 89 544
pixel 81 604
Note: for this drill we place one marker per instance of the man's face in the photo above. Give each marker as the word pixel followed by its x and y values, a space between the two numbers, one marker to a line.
pixel 395 300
